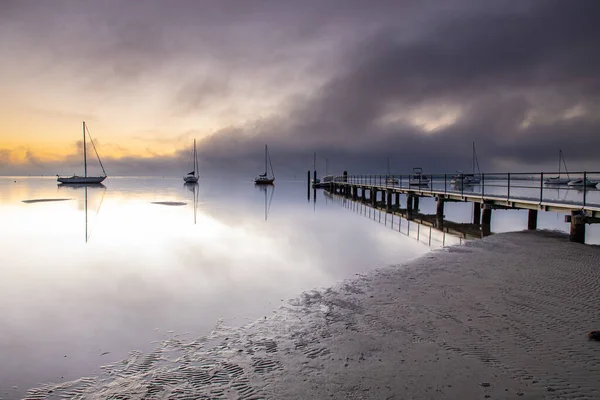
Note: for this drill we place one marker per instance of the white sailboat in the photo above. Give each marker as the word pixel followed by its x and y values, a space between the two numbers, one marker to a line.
pixel 263 179
pixel 85 179
pixel 418 179
pixel 559 180
pixel 468 179
pixel 389 179
pixel 583 184
pixel 192 177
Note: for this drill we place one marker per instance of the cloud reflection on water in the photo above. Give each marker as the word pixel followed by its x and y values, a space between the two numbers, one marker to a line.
pixel 147 270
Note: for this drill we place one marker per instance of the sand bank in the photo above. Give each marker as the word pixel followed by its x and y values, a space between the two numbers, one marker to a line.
pixel 505 317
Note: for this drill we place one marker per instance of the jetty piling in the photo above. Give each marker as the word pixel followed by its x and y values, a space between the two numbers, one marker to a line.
pixel 532 220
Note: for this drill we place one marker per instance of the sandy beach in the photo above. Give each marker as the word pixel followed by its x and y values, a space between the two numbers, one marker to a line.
pixel 505 317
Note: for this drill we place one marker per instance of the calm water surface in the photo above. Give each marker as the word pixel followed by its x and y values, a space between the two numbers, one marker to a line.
pixel 88 274
pixel 107 270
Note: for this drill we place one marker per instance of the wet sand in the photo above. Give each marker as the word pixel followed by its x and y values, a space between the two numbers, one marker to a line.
pixel 502 318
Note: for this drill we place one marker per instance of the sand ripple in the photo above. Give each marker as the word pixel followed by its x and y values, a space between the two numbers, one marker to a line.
pixel 507 319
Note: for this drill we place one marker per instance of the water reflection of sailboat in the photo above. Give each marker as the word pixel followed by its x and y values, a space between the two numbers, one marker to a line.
pixel 193 187
pixel 85 187
pixel 265 189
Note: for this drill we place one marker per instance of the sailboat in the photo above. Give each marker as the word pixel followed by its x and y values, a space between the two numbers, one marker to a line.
pixel 468 179
pixel 583 183
pixel 389 179
pixel 75 179
pixel 558 180
pixel 192 177
pixel 263 179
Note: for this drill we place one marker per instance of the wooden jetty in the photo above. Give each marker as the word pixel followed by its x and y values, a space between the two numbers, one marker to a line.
pixel 495 191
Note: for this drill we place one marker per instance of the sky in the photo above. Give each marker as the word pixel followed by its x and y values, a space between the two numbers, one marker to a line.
pixel 354 81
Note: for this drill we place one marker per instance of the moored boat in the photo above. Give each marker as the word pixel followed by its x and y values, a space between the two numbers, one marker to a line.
pixel 192 177
pixel 559 180
pixel 418 179
pixel 583 183
pixel 264 179
pixel 85 179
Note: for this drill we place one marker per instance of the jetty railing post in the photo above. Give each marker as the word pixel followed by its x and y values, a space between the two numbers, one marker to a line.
pixel 445 180
pixel 541 187
pixel 482 185
pixel 431 180
pixel 462 187
pixel 584 187
pixel 508 195
pixel 400 180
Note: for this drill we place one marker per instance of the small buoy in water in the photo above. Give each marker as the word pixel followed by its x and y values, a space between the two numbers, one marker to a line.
pixel 594 335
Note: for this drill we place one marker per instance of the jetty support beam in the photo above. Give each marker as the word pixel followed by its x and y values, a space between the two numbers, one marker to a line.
pixel 532 218
pixel 409 206
pixel 439 213
pixel 577 219
pixel 477 213
pixel 486 218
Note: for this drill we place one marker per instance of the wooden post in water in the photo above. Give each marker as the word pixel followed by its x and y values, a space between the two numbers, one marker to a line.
pixel 487 216
pixel 532 220
pixel 398 199
pixel 388 201
pixel 577 227
pixel 416 205
pixel 373 196
pixel 476 213
pixel 439 212
pixel 409 205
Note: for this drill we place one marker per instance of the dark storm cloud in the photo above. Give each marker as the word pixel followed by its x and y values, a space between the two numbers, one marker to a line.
pixel 514 70
pixel 500 68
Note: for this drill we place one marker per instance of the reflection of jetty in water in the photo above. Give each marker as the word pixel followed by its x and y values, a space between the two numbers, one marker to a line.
pixel 85 187
pixel 426 228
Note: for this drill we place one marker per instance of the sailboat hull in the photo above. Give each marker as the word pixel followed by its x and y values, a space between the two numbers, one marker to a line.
pixel 190 179
pixel 80 179
pixel 264 181
pixel 557 181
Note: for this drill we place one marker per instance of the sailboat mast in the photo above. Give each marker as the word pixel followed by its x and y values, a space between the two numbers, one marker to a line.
pixel 266 169
pixel 473 158
pixel 194 160
pixel 559 160
pixel 84 152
